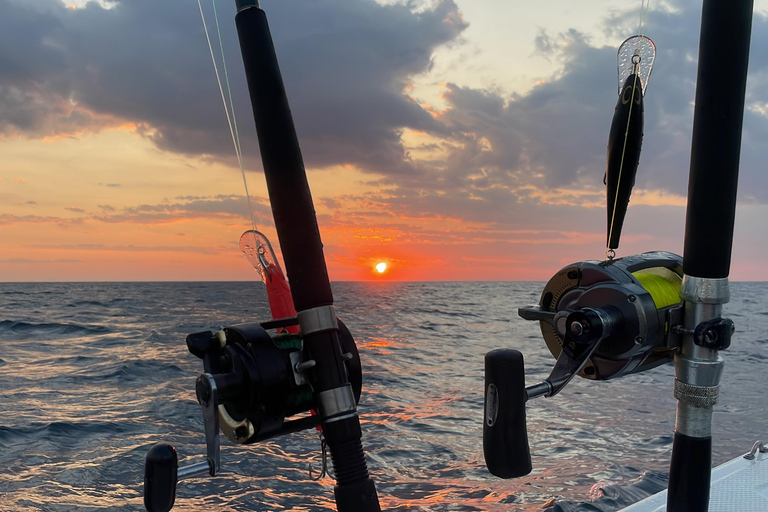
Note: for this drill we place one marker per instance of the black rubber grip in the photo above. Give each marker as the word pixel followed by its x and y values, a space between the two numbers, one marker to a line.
pixel 505 436
pixel 689 474
pixel 360 497
pixel 716 143
pixel 161 471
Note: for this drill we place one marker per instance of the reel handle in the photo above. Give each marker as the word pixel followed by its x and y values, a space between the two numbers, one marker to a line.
pixel 505 435
pixel 162 474
pixel 161 470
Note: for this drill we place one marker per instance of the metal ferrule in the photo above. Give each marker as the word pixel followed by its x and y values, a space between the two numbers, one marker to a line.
pixel 343 417
pixel 246 4
pixel 695 372
pixel 541 389
pixel 319 319
pixel 705 290
pixel 693 421
pixel 337 401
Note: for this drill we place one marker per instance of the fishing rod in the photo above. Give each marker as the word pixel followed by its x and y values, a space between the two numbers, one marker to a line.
pixel 253 380
pixel 606 319
pixel 715 149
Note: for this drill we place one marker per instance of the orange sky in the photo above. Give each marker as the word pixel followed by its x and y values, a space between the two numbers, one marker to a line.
pixel 468 165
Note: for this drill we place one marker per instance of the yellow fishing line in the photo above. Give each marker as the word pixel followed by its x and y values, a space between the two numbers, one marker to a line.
pixel 664 289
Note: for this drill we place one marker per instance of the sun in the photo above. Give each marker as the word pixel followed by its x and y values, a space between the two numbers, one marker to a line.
pixel 381 267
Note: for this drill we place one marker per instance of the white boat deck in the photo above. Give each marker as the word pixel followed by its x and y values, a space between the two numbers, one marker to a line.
pixel 738 485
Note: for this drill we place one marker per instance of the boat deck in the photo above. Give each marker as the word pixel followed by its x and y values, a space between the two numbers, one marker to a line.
pixel 739 484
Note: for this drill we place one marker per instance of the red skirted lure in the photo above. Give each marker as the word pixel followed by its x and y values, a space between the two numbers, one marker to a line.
pixel 635 61
pixel 258 251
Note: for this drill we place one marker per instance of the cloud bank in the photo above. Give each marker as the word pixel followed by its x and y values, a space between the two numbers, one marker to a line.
pixel 492 155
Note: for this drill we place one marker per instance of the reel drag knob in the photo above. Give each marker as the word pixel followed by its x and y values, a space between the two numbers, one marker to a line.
pixel 505 435
pixel 160 478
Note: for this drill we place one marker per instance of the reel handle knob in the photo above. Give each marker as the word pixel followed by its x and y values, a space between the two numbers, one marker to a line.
pixel 505 436
pixel 160 478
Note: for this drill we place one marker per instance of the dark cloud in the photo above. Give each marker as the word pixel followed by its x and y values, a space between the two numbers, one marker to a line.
pixel 508 153
pixel 191 208
pixel 345 66
pixel 201 249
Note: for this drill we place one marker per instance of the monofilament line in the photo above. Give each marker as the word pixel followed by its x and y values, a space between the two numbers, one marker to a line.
pixel 229 110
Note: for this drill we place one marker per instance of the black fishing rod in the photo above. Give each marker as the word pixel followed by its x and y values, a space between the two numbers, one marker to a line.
pixel 254 380
pixel 302 248
pixel 605 319
pixel 715 149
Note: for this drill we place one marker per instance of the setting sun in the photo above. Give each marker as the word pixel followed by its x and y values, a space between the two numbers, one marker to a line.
pixel 381 267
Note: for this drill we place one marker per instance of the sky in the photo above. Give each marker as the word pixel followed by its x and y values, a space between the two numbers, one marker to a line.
pixel 451 139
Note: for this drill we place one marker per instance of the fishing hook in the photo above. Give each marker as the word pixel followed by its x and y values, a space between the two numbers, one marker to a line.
pixel 324 470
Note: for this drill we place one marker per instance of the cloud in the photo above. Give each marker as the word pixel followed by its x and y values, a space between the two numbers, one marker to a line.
pixel 345 66
pixel 27 261
pixel 199 249
pixel 492 157
pixel 221 207
pixel 7 219
pixel 539 157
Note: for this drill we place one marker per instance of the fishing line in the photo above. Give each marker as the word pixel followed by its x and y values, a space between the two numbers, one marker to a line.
pixel 229 110
pixel 610 253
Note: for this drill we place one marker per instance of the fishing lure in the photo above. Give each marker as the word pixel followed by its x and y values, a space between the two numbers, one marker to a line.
pixel 635 62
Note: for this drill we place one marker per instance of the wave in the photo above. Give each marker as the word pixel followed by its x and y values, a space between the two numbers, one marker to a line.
pixel 141 371
pixel 58 432
pixel 608 498
pixel 80 303
pixel 50 329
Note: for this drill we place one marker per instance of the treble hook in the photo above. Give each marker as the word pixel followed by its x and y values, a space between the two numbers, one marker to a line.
pixel 324 470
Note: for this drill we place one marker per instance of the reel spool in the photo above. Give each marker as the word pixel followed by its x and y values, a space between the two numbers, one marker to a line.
pixel 601 320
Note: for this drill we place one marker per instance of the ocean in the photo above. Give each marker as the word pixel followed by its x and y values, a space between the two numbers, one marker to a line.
pixel 93 374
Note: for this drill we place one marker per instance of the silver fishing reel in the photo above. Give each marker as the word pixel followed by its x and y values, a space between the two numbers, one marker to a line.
pixel 600 320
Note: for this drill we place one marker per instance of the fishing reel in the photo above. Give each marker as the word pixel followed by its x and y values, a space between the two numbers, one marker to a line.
pixel 600 320
pixel 253 381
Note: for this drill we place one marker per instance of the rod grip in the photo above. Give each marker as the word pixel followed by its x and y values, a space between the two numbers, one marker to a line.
pixel 160 477
pixel 690 474
pixel 505 436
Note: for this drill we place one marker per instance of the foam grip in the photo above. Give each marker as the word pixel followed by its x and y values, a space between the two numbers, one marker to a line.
pixel 160 476
pixel 505 436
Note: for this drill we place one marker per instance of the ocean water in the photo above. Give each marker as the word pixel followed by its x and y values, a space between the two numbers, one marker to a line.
pixel 93 374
